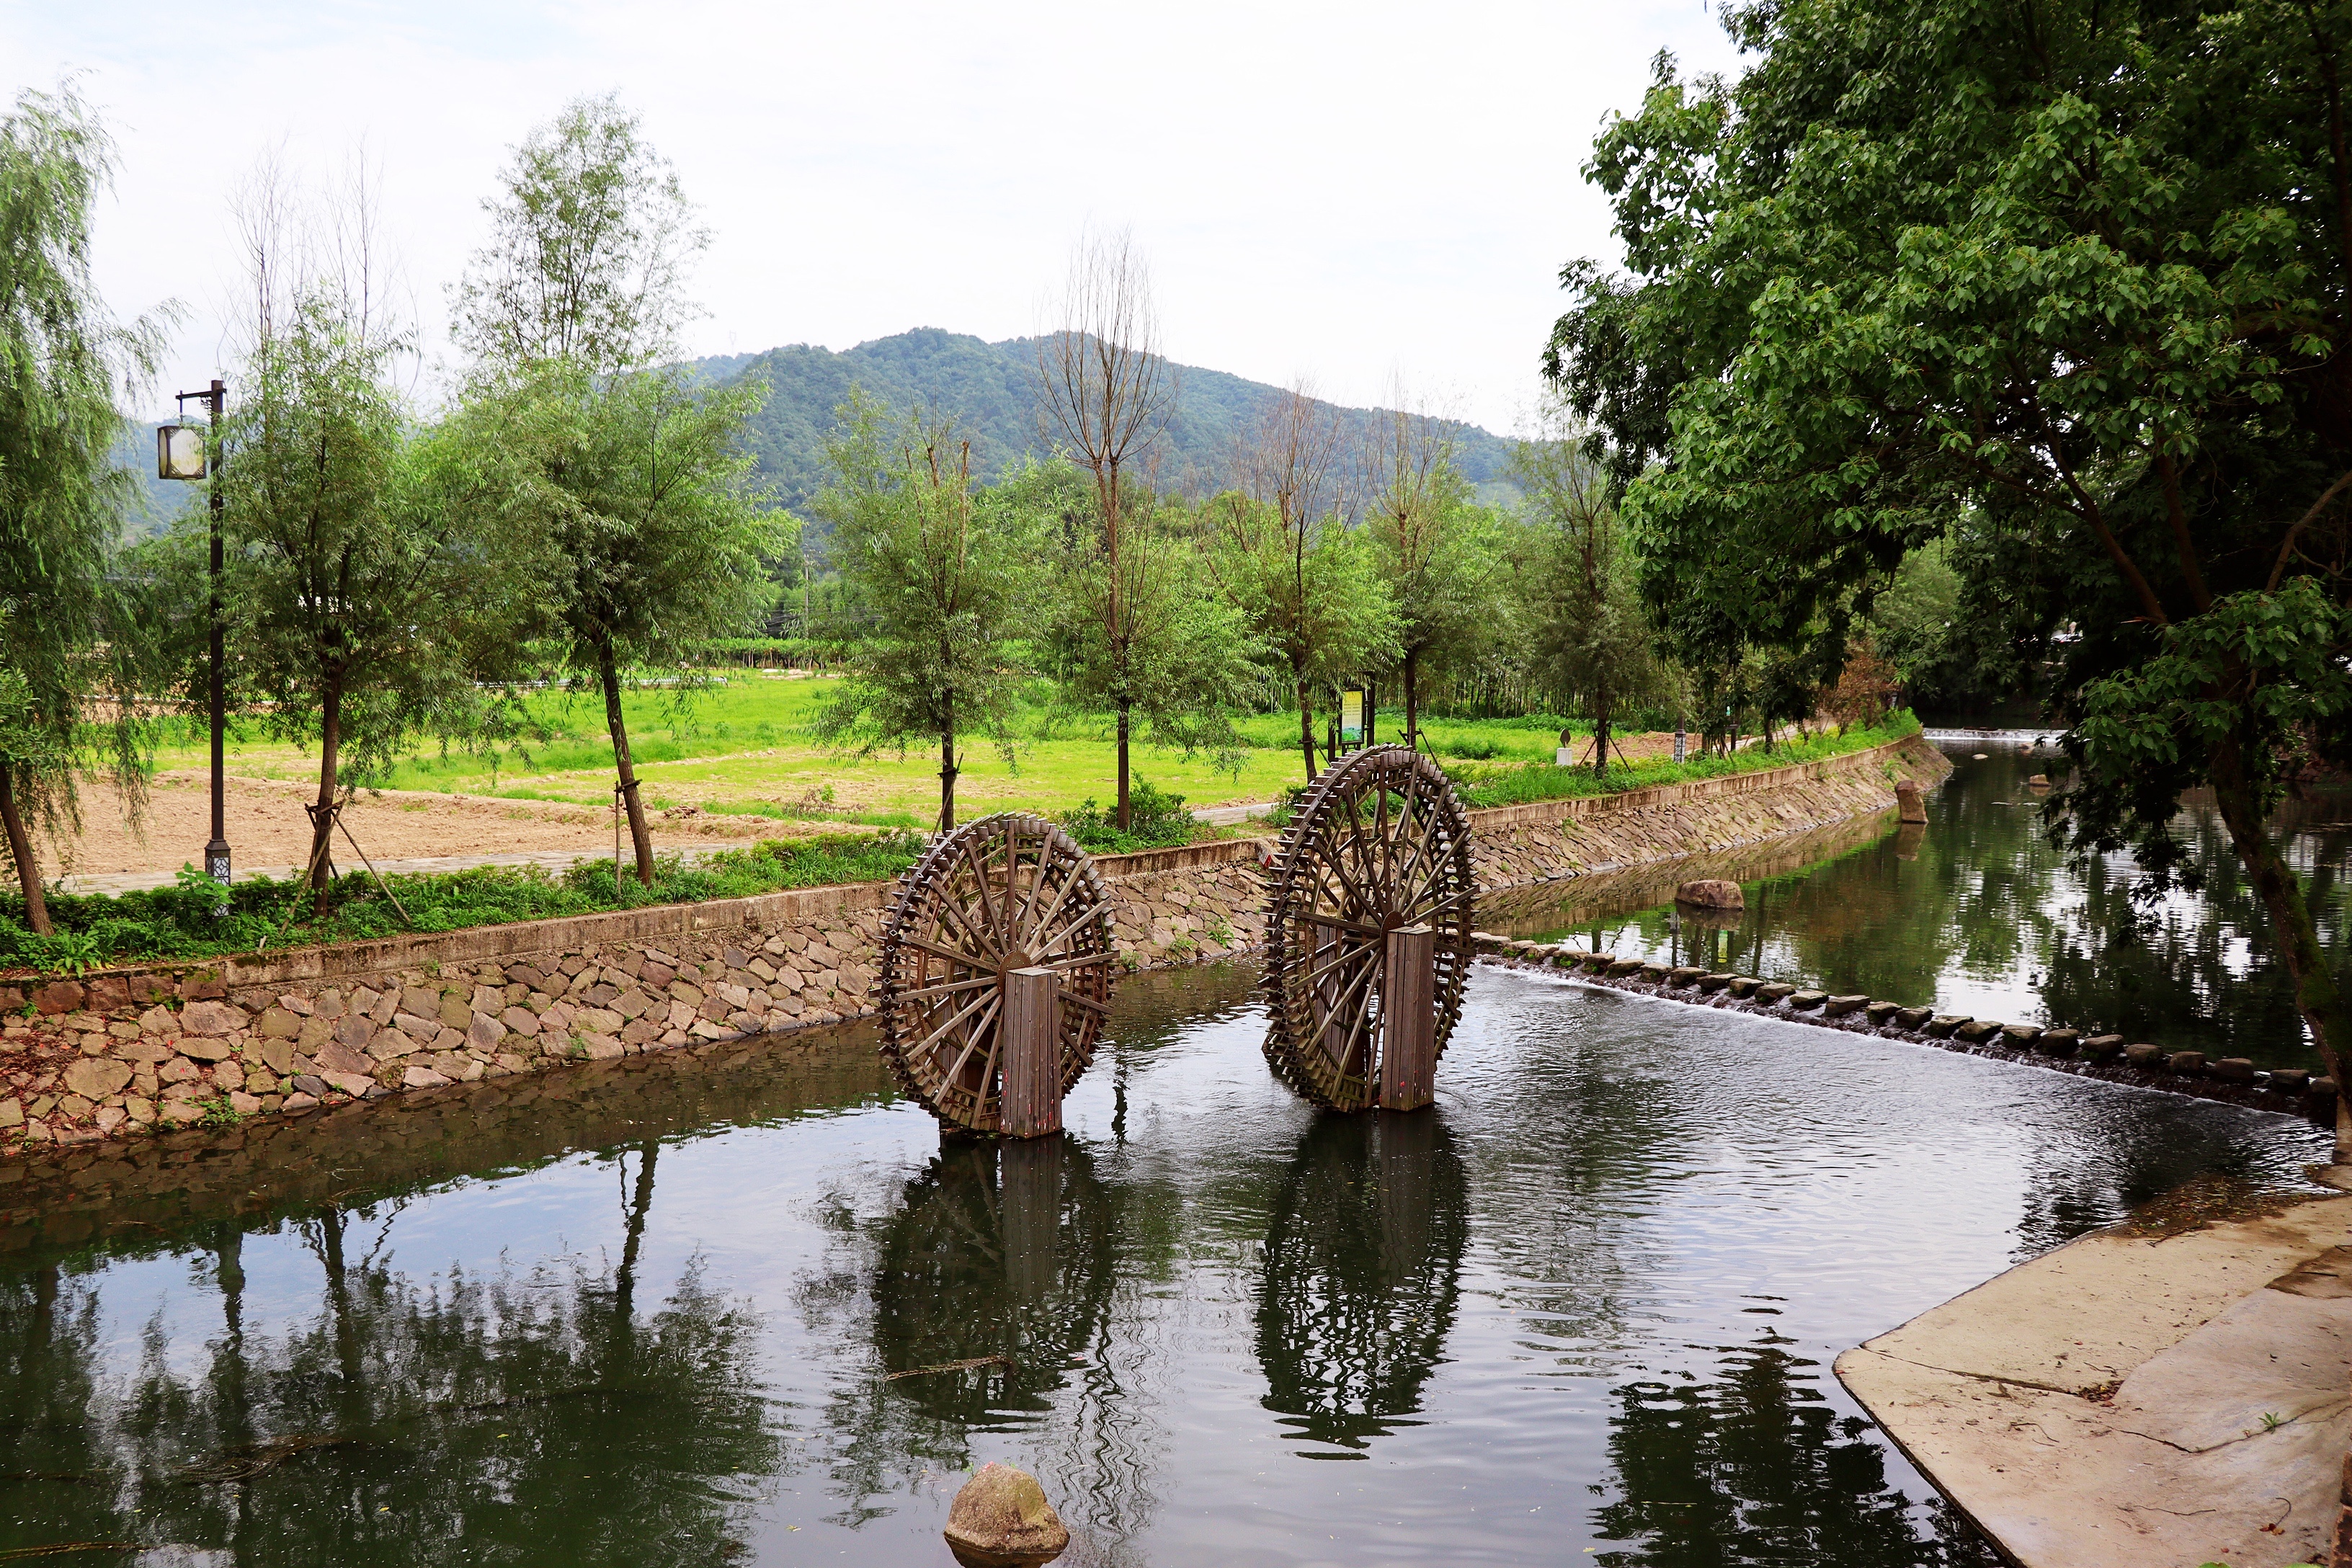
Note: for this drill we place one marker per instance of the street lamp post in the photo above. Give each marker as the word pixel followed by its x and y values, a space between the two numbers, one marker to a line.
pixel 180 457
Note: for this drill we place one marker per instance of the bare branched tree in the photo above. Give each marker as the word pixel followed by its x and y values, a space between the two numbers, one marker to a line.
pixel 1424 529
pixel 1105 392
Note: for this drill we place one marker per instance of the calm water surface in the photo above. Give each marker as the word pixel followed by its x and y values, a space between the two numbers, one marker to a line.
pixel 1976 913
pixel 699 1308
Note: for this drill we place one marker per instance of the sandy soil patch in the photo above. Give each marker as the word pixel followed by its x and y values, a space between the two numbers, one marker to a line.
pixel 267 828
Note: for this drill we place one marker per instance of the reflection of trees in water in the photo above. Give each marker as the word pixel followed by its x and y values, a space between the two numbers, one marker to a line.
pixel 1755 1467
pixel 1362 1272
pixel 1018 1253
pixel 1982 893
pixel 400 1415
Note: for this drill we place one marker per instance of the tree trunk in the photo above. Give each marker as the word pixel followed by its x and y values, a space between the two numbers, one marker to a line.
pixel 608 672
pixel 947 771
pixel 2324 1008
pixel 625 1278
pixel 1306 730
pixel 322 815
pixel 1124 707
pixel 20 846
pixel 1413 699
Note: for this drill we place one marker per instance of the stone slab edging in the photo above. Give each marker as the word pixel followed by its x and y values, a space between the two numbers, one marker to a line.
pixel 2234 1079
pixel 1654 795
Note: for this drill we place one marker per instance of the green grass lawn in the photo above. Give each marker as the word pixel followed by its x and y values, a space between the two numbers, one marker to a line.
pixel 746 744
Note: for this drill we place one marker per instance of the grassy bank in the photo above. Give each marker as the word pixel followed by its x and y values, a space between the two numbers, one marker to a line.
pixel 1527 783
pixel 177 924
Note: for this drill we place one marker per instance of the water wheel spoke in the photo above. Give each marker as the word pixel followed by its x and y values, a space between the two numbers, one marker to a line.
pixel 945 988
pixel 972 1036
pixel 960 957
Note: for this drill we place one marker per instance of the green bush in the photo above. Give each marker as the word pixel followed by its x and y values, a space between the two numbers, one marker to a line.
pixel 1154 821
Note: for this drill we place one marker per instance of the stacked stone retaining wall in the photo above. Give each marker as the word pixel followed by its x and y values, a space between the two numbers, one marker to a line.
pixel 124 1053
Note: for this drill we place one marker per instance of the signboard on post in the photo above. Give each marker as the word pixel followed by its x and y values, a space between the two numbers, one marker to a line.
pixel 1352 719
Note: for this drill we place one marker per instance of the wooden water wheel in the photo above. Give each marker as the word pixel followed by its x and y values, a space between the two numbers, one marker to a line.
pixel 1003 897
pixel 1380 846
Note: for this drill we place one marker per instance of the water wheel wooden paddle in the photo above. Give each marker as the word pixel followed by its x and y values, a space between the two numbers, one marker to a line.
pixel 1367 932
pixel 1000 934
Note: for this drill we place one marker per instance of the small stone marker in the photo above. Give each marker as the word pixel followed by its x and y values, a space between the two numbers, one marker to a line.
pixel 1711 893
pixel 1001 1520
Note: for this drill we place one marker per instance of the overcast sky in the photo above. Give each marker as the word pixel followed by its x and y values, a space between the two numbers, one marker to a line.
pixel 1347 191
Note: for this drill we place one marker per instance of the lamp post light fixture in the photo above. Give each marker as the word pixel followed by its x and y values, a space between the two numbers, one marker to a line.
pixel 182 452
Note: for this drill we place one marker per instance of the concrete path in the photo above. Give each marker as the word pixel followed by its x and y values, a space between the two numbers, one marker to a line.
pixel 2137 1401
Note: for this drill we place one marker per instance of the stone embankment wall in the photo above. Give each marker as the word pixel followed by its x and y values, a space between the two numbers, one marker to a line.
pixel 118 1054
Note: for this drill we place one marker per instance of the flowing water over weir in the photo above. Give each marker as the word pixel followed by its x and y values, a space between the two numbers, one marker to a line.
pixel 738 1304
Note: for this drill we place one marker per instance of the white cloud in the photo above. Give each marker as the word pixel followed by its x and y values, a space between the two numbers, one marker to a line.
pixel 1347 190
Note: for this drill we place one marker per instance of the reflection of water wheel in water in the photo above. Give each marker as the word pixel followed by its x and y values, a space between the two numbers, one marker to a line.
pixel 998 935
pixel 1368 932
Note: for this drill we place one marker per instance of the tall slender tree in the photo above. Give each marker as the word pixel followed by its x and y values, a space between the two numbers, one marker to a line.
pixel 352 598
pixel 62 359
pixel 1304 582
pixel 1587 628
pixel 1427 539
pixel 948 577
pixel 653 537
pixel 1106 393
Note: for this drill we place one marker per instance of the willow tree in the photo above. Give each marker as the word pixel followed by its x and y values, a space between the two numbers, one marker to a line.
pixel 1133 622
pixel 1305 583
pixel 1427 539
pixel 62 359
pixel 354 593
pixel 2065 284
pixel 948 577
pixel 652 537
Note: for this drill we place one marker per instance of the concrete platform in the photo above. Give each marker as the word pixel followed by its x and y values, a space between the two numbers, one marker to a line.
pixel 2138 1400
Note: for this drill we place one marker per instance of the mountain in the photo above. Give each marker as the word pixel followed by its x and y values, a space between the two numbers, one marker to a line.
pixel 990 388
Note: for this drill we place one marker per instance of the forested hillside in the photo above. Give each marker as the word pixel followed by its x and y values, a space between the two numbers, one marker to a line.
pixel 990 387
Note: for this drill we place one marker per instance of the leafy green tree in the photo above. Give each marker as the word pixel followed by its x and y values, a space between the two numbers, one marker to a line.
pixel 352 599
pixel 2080 271
pixel 1433 552
pixel 61 501
pixel 590 237
pixel 651 536
pixel 1307 585
pixel 1585 620
pixel 949 577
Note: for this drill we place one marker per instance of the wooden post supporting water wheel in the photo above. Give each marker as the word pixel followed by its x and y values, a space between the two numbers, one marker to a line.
pixel 996 974
pixel 1368 932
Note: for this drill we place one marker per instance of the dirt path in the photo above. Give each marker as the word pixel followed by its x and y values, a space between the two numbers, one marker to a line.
pixel 267 829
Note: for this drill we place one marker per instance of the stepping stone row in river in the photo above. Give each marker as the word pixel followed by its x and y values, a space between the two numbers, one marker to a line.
pixel 2188 1072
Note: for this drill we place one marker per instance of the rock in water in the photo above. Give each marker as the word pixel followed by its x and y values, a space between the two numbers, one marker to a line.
pixel 1909 804
pixel 1711 894
pixel 1001 1519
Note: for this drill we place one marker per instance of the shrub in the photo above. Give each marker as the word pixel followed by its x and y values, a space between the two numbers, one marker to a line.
pixel 1155 821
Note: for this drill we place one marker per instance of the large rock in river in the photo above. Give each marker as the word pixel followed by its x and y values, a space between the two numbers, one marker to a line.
pixel 1712 893
pixel 1001 1519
